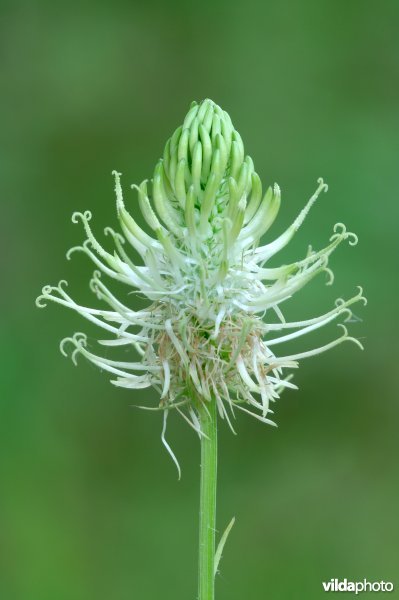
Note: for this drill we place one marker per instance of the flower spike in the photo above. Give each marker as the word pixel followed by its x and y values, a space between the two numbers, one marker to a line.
pixel 209 330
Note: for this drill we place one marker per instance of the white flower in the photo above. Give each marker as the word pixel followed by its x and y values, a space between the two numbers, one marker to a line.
pixel 214 316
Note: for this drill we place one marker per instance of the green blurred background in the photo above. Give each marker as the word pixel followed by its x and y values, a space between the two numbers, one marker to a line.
pixel 90 505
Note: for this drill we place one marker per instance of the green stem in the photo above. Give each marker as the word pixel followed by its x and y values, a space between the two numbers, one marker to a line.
pixel 207 525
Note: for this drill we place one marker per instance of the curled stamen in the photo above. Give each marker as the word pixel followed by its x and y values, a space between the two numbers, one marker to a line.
pixel 74 249
pixel 84 217
pixel 45 295
pixel 360 296
pixel 340 304
pixel 353 238
pixel 40 301
pixel 330 275
pixel 348 338
pixel 78 340
pixel 340 233
pixel 344 337
pixel 94 283
pixel 323 186
pixel 115 235
pixel 74 355
pixel 340 228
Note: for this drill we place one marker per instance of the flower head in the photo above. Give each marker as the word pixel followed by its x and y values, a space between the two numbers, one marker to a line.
pixel 214 314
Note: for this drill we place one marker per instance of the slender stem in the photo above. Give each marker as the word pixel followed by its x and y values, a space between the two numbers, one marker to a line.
pixel 207 525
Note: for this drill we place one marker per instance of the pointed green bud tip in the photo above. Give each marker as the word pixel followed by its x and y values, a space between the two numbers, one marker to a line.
pixel 206 154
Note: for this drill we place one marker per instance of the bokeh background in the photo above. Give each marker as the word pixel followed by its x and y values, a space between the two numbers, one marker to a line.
pixel 90 505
